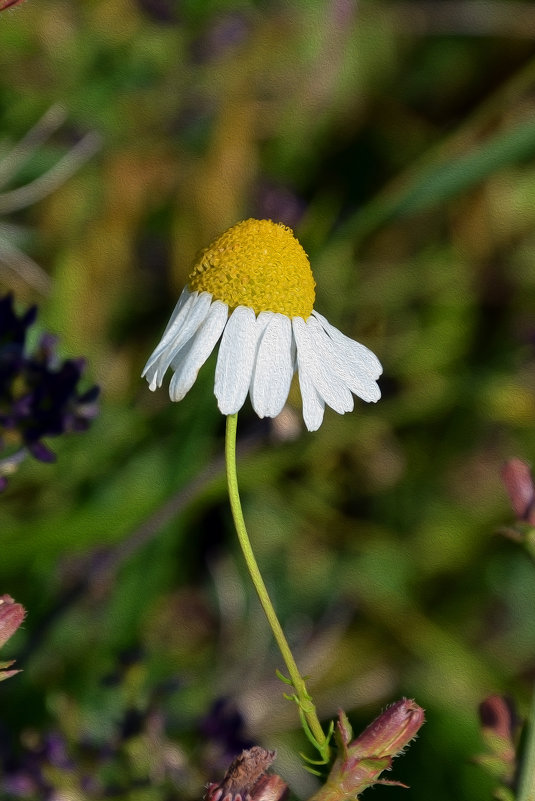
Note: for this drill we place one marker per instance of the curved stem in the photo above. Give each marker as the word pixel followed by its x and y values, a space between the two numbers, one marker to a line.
pixel 304 699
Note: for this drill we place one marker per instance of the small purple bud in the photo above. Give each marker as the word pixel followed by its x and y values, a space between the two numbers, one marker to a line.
pixel 516 475
pixel 46 350
pixel 41 452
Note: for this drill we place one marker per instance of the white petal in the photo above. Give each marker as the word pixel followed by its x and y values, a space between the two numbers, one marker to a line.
pixel 274 366
pixel 188 363
pixel 180 312
pixel 184 296
pixel 235 360
pixel 316 363
pixel 313 405
pixel 188 319
pixel 178 317
pixel 185 325
pixel 354 352
pixel 336 355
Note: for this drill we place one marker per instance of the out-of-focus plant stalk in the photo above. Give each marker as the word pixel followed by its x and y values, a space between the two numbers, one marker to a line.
pixel 11 200
pixel 518 480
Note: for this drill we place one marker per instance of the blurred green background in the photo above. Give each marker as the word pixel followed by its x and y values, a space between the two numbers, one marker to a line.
pixel 398 140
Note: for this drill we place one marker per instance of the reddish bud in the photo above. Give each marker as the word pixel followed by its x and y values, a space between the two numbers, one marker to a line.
pixel 11 616
pixel 499 727
pixel 390 732
pixel 246 779
pixel 518 481
pixel 361 762
pixel 498 716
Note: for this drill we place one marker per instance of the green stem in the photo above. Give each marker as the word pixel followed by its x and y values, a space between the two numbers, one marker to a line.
pixel 526 787
pixel 303 697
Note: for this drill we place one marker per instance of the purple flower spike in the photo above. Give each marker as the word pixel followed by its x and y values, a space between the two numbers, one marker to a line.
pixel 38 392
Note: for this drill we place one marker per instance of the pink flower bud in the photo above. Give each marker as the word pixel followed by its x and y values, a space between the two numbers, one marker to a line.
pixel 390 732
pixel 360 763
pixel 516 475
pixel 499 727
pixel 11 616
pixel 498 715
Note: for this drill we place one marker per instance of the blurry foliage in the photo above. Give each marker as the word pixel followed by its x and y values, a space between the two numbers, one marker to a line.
pixel 404 156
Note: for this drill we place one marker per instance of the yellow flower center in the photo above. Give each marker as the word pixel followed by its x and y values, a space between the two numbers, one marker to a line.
pixel 260 264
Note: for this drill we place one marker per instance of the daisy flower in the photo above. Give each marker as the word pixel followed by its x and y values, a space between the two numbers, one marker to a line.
pixel 253 288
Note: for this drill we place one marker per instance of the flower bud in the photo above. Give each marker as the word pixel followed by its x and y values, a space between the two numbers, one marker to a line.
pixel 499 727
pixel 246 779
pixel 516 475
pixel 360 763
pixel 390 732
pixel 11 616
